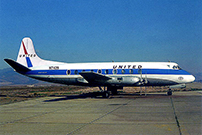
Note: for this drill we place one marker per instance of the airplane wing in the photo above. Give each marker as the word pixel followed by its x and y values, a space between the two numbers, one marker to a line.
pixel 93 77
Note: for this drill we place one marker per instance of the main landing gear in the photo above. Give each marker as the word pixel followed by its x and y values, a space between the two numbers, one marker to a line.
pixel 104 93
pixel 113 90
pixel 110 90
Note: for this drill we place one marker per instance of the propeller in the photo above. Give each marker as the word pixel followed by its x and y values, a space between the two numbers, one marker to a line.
pixel 142 80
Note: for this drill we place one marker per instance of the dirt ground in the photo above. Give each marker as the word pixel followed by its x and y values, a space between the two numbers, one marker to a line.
pixel 11 94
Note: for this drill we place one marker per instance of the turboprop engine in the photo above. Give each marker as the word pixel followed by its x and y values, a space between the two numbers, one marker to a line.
pixel 126 80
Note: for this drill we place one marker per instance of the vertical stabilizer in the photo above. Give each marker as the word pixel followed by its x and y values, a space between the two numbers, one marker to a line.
pixel 27 55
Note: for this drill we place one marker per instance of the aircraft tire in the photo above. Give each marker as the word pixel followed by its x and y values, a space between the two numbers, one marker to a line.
pixel 105 94
pixel 114 92
pixel 169 93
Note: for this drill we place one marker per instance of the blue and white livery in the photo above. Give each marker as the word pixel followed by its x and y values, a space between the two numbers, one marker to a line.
pixel 113 75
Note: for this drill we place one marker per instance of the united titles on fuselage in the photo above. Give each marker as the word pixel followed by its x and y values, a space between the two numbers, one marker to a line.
pixel 127 66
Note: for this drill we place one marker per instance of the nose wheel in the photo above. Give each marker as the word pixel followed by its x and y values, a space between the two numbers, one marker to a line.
pixel 169 93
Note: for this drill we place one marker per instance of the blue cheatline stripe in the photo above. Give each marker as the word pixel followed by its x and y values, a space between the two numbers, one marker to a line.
pixel 119 71
pixel 29 63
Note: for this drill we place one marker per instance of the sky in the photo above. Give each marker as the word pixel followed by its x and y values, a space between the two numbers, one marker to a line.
pixel 103 31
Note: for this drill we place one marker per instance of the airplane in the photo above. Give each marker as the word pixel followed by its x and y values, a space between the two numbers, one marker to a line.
pixel 113 75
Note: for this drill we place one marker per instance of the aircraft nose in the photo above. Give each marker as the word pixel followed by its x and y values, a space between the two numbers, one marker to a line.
pixel 191 78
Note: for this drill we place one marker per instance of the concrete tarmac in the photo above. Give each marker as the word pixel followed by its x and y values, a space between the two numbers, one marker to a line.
pixel 155 113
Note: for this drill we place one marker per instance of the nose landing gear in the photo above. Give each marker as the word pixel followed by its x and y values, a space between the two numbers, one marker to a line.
pixel 169 93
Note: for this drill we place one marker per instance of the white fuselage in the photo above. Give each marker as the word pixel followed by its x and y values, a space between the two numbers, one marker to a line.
pixel 122 73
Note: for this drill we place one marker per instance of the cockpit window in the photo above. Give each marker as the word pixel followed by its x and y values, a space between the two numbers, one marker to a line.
pixel 176 67
pixel 179 68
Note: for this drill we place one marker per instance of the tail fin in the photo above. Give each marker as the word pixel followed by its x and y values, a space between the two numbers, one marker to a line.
pixel 27 55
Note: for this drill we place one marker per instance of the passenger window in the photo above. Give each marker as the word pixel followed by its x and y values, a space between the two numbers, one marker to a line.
pixel 123 71
pixel 68 72
pixel 114 71
pixel 99 71
pixel 131 71
pixel 106 71
pixel 76 72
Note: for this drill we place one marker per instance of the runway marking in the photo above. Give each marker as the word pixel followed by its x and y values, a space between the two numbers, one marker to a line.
pixel 178 124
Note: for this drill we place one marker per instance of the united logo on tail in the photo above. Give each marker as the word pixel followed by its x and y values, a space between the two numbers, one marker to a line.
pixel 29 63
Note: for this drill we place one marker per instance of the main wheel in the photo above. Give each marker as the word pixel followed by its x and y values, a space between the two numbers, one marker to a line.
pixel 105 94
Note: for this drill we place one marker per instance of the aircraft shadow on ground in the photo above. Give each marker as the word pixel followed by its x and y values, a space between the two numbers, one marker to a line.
pixel 95 95
pixel 81 96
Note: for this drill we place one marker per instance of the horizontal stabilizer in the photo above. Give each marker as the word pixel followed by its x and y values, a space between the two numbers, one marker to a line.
pixel 93 77
pixel 18 67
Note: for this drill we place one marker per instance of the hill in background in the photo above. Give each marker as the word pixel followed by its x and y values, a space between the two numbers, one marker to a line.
pixel 9 77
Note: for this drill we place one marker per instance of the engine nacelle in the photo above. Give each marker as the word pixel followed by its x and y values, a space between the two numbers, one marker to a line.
pixel 124 80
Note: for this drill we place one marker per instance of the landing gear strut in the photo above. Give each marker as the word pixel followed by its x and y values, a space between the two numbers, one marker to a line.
pixel 169 93
pixel 105 94
pixel 113 90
